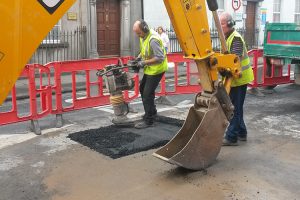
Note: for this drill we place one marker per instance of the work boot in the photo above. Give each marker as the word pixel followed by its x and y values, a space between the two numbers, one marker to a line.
pixel 242 138
pixel 229 143
pixel 155 117
pixel 142 125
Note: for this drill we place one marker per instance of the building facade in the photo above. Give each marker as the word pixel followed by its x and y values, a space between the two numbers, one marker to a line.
pixel 92 29
pixel 101 28
pixel 245 13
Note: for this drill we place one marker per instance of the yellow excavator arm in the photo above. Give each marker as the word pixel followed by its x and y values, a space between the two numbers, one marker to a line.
pixel 24 24
pixel 199 141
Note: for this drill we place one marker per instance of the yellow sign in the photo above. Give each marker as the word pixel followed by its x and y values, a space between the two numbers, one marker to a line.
pixel 24 24
pixel 72 16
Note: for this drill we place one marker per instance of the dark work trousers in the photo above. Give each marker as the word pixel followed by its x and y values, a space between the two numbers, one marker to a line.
pixel 237 125
pixel 147 89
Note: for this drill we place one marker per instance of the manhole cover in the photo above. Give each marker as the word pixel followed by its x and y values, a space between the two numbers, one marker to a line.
pixel 117 142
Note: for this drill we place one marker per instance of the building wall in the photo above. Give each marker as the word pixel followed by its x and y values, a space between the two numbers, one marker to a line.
pixel 80 10
pixel 287 11
pixel 131 10
pixel 135 14
pixel 155 14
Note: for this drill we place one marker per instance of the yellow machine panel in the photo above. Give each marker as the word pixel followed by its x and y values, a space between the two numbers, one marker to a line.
pixel 191 26
pixel 24 24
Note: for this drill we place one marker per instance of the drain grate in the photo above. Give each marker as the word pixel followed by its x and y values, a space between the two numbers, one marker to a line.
pixel 117 142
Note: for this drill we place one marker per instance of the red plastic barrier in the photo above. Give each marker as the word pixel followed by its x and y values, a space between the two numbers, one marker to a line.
pixel 188 88
pixel 43 91
pixel 51 94
pixel 261 77
pixel 86 66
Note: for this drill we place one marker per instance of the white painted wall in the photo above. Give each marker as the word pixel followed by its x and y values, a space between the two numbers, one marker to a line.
pixel 287 11
pixel 155 14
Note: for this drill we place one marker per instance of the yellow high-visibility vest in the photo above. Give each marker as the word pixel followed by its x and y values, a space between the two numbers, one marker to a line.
pixel 247 72
pixel 146 53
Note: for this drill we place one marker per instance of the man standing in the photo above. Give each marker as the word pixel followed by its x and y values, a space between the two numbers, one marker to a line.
pixel 154 61
pixel 236 45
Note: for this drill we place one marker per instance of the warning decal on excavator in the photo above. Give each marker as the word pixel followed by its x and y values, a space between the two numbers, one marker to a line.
pixel 1 55
pixel 51 5
pixel 25 24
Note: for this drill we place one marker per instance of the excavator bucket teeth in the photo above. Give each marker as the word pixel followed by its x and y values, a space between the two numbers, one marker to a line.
pixel 198 142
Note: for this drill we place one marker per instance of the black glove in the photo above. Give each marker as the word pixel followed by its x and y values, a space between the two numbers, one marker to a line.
pixel 141 64
pixel 138 59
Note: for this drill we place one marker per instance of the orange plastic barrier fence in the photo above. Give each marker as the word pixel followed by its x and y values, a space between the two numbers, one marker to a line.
pixel 45 85
pixel 265 75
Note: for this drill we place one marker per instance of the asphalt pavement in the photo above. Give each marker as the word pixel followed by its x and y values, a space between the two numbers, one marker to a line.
pixel 53 166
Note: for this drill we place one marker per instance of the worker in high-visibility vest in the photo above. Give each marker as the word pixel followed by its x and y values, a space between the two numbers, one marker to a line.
pixel 153 60
pixel 236 130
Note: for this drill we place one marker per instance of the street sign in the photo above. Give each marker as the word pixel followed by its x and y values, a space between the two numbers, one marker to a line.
pixel 236 4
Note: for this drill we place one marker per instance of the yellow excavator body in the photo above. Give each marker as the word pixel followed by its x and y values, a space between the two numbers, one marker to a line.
pixel 24 24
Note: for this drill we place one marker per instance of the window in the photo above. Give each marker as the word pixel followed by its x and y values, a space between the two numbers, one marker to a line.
pixel 53 36
pixel 276 10
pixel 297 12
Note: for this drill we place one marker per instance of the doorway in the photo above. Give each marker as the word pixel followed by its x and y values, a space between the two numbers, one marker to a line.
pixel 108 27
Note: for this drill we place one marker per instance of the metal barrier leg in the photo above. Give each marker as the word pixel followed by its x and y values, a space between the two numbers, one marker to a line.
pixel 59 121
pixel 35 127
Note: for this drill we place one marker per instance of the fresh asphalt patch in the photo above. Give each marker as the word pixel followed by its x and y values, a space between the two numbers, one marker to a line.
pixel 116 142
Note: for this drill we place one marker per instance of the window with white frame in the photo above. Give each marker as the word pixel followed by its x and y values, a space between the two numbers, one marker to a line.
pixel 276 10
pixel 297 12
pixel 53 36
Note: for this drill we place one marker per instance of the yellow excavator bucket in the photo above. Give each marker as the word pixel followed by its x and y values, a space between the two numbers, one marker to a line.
pixel 24 24
pixel 199 141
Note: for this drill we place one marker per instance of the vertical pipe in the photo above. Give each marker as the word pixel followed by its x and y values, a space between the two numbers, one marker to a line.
pixel 64 41
pixel 68 45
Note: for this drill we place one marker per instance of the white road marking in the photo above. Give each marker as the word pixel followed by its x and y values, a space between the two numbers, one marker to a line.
pixel 182 104
pixel 11 139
